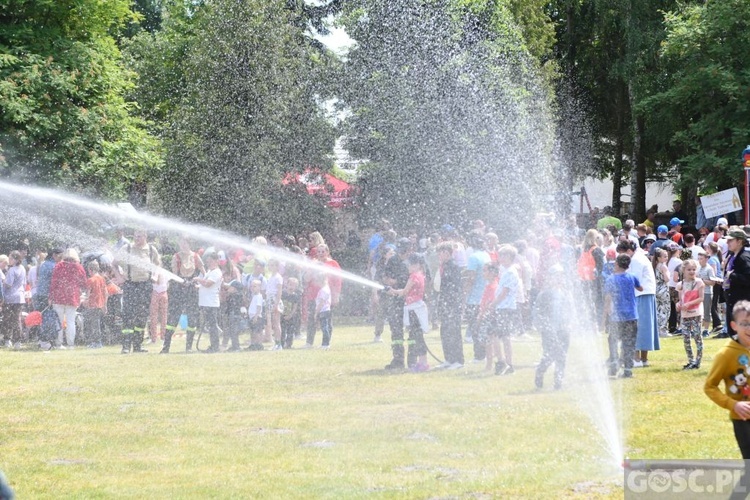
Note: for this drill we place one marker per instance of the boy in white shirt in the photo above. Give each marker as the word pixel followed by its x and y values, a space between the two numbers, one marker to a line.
pixel 274 306
pixel 208 300
pixel 323 311
pixel 255 315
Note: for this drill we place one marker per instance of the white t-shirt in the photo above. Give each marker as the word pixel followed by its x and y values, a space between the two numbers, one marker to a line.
pixel 641 268
pixel 256 306
pixel 208 296
pixel 273 285
pixel 323 299
pixel 722 242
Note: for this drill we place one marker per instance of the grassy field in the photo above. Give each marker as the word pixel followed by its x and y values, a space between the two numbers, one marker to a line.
pixel 332 424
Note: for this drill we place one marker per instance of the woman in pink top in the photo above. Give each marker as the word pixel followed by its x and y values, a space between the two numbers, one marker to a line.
pixel 415 314
pixel 68 281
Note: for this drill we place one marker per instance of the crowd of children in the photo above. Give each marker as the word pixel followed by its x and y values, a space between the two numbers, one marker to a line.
pixel 220 292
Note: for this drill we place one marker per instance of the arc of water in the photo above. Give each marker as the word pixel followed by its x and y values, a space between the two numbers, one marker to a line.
pixel 197 231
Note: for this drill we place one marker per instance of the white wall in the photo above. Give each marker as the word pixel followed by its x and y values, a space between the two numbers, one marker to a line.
pixel 600 195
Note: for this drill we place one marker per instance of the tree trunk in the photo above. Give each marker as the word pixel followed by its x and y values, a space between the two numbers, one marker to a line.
pixel 619 153
pixel 638 162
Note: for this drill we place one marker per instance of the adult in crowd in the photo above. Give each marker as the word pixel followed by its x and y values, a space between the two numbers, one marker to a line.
pixel 450 301
pixel 44 278
pixel 14 300
pixel 68 281
pixel 650 221
pixel 589 268
pixel 647 338
pixel 737 274
pixel 138 259
pixel 183 297
pixel 334 284
pixel 675 225
pixel 661 239
pixel 474 283
pixel 629 233
pixel 608 220
pixel 677 211
pixel 718 236
pixel 395 276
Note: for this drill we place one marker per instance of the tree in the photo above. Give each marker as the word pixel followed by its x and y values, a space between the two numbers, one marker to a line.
pixel 239 95
pixel 447 106
pixel 704 110
pixel 64 119
pixel 608 50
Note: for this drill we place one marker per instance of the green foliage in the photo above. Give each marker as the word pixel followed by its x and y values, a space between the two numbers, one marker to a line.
pixel 705 109
pixel 63 116
pixel 441 96
pixel 235 86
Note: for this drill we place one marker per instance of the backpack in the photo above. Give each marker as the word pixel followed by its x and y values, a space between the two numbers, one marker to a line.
pixel 587 266
pixel 50 326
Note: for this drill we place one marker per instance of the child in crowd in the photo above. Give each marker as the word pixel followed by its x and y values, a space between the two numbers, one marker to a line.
pixel 552 319
pixel 291 318
pixel 506 313
pixel 323 310
pixel 730 363
pixel 274 305
pixel 94 306
pixel 487 314
pixel 255 316
pixel 157 320
pixel 233 304
pixel 608 268
pixel 620 306
pixel 690 306
pixel 415 314
pixel 707 275
pixel 661 273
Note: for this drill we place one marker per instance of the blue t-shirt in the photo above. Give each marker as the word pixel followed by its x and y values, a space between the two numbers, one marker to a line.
pixel 476 263
pixel 621 287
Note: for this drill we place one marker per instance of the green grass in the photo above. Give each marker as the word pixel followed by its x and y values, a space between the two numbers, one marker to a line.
pixel 316 424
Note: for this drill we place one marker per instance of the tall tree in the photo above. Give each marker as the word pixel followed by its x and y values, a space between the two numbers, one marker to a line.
pixel 447 105
pixel 242 108
pixel 704 109
pixel 608 51
pixel 64 119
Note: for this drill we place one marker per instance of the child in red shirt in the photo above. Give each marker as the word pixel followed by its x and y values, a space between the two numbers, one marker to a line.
pixel 95 305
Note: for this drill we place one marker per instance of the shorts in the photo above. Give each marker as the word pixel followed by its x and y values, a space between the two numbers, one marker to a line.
pixel 506 322
pixel 487 327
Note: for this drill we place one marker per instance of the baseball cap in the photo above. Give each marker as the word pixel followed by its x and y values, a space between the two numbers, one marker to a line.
pixel 722 222
pixel 403 244
pixel 674 221
pixel 736 234
pixel 649 237
pixel 663 229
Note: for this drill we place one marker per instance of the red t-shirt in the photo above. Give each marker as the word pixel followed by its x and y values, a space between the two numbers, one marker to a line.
pixel 68 279
pixel 417 290
pixel 488 295
pixel 97 292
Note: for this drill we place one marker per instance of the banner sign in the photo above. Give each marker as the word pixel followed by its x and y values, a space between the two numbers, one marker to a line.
pixel 721 203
